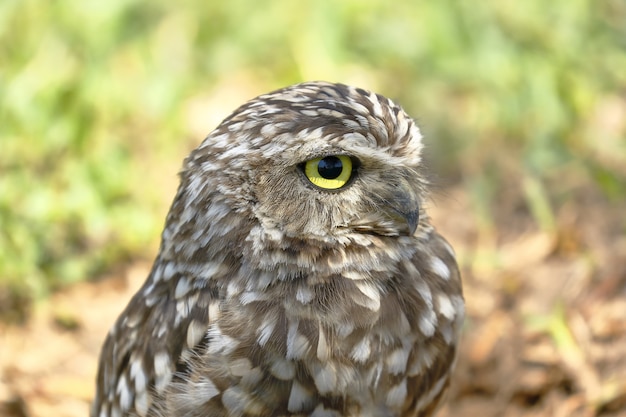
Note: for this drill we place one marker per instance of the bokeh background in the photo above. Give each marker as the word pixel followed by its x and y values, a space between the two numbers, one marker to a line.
pixel 523 105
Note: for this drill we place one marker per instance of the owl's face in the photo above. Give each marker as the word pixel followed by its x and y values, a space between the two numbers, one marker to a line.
pixel 308 166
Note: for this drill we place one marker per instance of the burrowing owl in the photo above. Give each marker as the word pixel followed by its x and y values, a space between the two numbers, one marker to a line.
pixel 298 273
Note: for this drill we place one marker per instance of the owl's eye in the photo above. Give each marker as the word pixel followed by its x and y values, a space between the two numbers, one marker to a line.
pixel 329 172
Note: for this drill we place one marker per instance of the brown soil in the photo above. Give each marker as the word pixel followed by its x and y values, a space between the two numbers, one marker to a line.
pixel 545 333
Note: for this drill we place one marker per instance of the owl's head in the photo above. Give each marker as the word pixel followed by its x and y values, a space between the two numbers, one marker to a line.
pixel 314 161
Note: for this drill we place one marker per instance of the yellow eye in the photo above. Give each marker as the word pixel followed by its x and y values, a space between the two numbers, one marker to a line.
pixel 329 172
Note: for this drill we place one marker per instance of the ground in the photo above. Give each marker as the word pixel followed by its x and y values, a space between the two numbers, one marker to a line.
pixel 545 333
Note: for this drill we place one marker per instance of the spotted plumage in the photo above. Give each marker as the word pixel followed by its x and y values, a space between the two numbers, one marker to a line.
pixel 298 273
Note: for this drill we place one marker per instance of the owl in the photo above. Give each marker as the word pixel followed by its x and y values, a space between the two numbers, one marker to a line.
pixel 298 272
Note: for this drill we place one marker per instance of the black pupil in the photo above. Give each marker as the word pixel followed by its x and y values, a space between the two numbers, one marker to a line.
pixel 330 167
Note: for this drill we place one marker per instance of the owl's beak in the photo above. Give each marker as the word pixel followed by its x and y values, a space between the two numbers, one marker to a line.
pixel 406 212
pixel 412 219
pixel 405 207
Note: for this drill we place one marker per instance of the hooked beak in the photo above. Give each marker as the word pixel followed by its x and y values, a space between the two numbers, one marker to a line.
pixel 403 207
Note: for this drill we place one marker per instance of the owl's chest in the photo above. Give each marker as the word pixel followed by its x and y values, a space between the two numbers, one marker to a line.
pixel 310 348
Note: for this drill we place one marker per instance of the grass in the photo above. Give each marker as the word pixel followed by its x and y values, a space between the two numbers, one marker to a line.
pixel 100 101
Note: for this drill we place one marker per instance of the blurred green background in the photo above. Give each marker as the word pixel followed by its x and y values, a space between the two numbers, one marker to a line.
pixel 101 100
